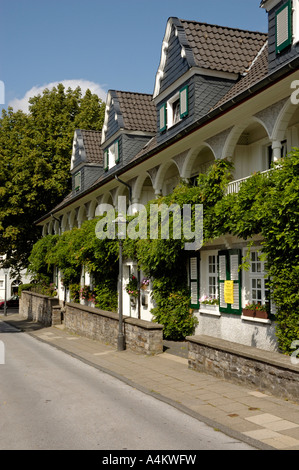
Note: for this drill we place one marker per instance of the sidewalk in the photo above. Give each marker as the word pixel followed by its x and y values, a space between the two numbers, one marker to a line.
pixel 263 421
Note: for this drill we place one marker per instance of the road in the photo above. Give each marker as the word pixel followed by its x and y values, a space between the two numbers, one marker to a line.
pixel 52 401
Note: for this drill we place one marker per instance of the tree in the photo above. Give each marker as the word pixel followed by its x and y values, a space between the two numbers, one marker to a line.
pixel 35 150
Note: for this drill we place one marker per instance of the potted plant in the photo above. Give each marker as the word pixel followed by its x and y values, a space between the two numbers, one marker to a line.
pixel 209 303
pixel 255 310
pixel 144 283
pixel 132 289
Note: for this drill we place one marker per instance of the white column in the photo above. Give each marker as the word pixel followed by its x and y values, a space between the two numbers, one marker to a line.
pixel 276 147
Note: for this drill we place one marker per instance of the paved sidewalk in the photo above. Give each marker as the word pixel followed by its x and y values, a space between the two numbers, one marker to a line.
pixel 261 420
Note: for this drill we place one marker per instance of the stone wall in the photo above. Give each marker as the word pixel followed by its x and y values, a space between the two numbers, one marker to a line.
pixel 269 372
pixel 140 336
pixel 37 307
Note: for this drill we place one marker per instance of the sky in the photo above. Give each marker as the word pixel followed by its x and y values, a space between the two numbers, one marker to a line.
pixel 97 44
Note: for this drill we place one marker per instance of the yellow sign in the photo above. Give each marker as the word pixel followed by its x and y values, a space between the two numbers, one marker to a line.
pixel 229 292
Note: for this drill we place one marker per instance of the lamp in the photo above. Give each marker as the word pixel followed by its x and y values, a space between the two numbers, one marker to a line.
pixel 121 221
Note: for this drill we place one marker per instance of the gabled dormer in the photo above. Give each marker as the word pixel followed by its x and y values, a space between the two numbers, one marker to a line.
pixel 87 159
pixel 199 64
pixel 283 26
pixel 129 124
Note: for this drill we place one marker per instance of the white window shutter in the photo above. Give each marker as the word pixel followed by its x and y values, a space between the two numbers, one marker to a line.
pixel 221 296
pixel 283 27
pixel 222 268
pixel 78 181
pixel 184 102
pixel 234 267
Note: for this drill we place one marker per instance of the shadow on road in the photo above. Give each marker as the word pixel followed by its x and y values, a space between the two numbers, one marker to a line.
pixel 20 324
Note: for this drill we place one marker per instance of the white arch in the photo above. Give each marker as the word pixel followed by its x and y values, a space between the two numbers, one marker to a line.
pixel 72 219
pixel 138 185
pixel 235 134
pixel 82 216
pixel 92 209
pixel 191 157
pixel 50 227
pixel 65 222
pixel 158 185
pixel 282 121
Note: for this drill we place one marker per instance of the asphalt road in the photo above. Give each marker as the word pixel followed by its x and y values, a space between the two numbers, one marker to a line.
pixel 52 401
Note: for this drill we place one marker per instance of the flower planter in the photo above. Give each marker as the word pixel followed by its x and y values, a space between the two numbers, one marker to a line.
pixel 210 307
pixel 255 313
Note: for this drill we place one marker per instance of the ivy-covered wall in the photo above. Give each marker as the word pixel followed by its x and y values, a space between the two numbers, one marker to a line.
pixel 266 204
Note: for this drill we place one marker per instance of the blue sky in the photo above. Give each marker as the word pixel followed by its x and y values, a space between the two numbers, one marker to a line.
pixel 99 44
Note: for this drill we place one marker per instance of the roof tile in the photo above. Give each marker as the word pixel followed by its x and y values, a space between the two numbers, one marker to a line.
pixel 138 111
pixel 222 48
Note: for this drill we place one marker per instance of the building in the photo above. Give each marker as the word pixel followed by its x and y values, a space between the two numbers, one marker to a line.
pixel 218 93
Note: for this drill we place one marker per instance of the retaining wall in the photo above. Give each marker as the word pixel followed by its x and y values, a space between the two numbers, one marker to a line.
pixel 270 372
pixel 140 336
pixel 37 307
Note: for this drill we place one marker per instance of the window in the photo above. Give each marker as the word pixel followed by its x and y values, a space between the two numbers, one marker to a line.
pixel 174 110
pixel 259 292
pixel 78 181
pixel 1 284
pixel 213 281
pixel 111 156
pixel 284 27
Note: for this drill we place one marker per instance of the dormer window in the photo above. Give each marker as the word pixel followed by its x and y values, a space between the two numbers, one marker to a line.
pixel 284 36
pixel 174 110
pixel 78 181
pixel 111 156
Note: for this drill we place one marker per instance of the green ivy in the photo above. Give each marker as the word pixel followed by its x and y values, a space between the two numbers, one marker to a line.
pixel 266 204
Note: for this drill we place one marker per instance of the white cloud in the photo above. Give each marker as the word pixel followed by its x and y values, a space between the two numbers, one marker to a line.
pixel 23 103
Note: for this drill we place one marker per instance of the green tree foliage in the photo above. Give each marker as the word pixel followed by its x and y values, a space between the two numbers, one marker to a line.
pixel 35 151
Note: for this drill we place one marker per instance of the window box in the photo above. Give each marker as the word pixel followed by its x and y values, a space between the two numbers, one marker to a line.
pixel 255 313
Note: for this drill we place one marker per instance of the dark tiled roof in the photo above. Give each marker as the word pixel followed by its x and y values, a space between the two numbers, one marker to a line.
pixel 138 111
pixel 92 146
pixel 257 71
pixel 221 48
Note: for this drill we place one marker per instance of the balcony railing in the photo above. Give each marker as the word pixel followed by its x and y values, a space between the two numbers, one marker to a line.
pixel 234 186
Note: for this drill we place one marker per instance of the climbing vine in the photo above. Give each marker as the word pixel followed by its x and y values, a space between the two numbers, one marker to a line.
pixel 266 204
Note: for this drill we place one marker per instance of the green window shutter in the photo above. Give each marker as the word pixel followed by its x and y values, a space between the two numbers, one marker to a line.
pixel 228 265
pixel 106 160
pixel 116 151
pixel 284 27
pixel 163 118
pixel 184 105
pixel 194 281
